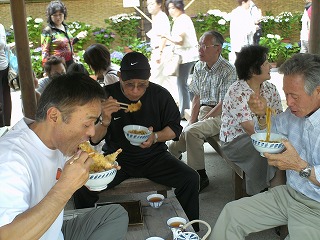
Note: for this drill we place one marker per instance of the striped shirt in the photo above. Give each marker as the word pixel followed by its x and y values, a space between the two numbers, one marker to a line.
pixel 212 84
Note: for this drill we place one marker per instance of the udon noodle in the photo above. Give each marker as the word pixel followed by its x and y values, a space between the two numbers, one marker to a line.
pixel 269 112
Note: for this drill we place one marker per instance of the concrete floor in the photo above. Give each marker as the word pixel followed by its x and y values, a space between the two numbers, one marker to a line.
pixel 216 195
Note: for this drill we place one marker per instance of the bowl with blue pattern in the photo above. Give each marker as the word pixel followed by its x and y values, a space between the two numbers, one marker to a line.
pixel 136 134
pixel 100 180
pixel 274 145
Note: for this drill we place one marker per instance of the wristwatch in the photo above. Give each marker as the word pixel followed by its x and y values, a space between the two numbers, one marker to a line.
pixel 306 172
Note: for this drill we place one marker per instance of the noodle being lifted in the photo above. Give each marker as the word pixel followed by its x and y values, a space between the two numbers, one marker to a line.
pixel 269 112
pixel 101 162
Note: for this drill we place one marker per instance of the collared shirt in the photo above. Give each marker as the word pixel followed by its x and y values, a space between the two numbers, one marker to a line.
pixel 304 134
pixel 235 109
pixel 212 84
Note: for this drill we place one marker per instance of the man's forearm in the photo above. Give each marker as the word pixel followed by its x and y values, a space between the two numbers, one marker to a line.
pixel 33 223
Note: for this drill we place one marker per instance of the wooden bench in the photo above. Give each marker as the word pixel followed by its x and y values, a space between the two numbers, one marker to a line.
pixel 238 175
pixel 136 185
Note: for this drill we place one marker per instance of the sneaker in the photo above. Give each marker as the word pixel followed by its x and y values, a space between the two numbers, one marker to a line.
pixel 204 182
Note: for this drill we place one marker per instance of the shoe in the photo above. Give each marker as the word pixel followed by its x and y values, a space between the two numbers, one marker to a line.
pixel 204 182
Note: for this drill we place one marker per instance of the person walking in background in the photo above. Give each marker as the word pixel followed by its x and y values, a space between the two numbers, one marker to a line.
pixel 160 51
pixel 184 38
pixel 5 94
pixel 56 38
pixel 242 27
pixel 97 56
pixel 237 125
pixel 256 14
pixel 305 27
pixel 210 81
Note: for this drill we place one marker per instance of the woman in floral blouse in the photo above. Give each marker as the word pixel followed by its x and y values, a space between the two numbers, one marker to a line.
pixel 253 70
pixel 56 38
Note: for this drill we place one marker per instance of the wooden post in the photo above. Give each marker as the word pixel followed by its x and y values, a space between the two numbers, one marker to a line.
pixel 314 40
pixel 18 14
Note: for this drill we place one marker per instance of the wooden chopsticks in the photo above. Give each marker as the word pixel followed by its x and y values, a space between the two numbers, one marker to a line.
pixel 123 105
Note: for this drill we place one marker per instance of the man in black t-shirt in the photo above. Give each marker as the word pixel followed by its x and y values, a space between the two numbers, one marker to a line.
pixel 151 159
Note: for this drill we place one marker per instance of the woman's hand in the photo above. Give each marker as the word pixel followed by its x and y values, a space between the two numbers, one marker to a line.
pixel 257 104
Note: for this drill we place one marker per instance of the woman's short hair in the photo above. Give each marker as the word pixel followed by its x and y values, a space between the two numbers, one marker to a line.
pixel 97 56
pixel 249 61
pixel 176 3
pixel 53 7
pixel 240 1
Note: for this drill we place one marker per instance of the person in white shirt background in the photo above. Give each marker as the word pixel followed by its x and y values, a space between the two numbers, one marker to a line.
pixel 160 49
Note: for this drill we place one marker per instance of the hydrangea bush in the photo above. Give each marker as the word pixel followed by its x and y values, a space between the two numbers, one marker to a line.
pixel 126 26
pixel 279 51
pixel 121 31
pixel 212 20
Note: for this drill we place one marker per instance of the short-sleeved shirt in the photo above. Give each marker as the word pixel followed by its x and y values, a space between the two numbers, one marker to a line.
pixel 158 110
pixel 235 109
pixel 212 84
pixel 188 51
pixel 28 170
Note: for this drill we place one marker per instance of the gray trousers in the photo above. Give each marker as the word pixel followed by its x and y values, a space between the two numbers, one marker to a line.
pixel 192 139
pixel 278 206
pixel 258 172
pixel 106 222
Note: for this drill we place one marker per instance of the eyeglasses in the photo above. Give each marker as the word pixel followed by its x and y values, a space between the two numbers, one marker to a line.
pixel 131 85
pixel 204 47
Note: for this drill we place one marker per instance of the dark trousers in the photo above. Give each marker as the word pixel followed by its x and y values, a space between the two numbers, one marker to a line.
pixel 163 168
pixel 5 99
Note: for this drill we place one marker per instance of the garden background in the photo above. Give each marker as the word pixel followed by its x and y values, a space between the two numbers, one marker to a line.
pixel 122 30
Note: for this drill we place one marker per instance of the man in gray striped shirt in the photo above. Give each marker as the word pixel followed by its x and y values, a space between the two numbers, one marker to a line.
pixel 211 79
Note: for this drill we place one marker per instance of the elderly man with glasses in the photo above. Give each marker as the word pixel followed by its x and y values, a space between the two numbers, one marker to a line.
pixel 151 159
pixel 210 81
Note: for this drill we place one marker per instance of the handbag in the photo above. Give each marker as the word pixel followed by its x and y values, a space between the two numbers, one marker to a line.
pixel 171 64
pixel 13 77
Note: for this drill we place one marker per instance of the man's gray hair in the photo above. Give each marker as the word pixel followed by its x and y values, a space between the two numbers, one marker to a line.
pixel 307 65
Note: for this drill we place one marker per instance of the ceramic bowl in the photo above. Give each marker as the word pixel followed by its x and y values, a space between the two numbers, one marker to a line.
pixel 154 238
pixel 99 181
pixel 175 222
pixel 136 139
pixel 155 200
pixel 275 146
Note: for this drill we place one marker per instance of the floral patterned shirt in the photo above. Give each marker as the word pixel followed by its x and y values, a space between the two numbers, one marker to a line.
pixel 235 109
pixel 57 42
pixel 212 84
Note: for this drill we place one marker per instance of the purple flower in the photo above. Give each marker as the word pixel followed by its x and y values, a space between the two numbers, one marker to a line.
pixel 38 49
pixel 117 55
